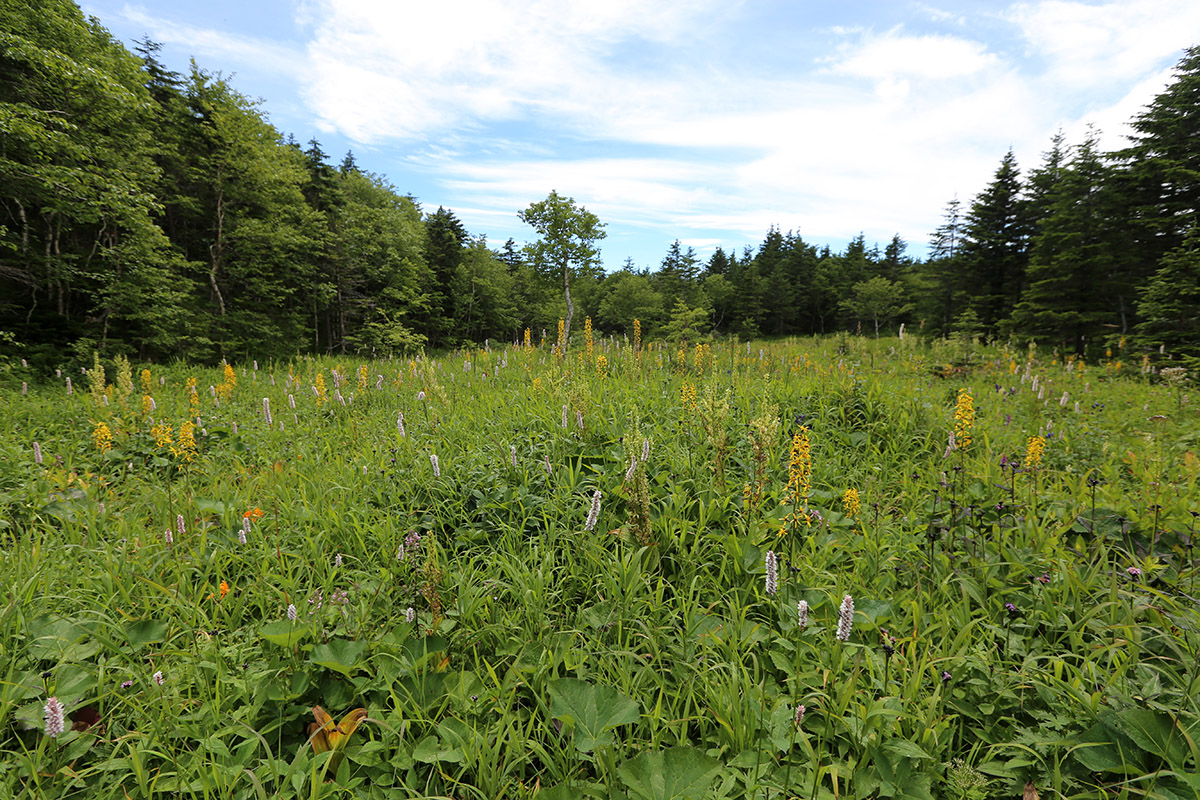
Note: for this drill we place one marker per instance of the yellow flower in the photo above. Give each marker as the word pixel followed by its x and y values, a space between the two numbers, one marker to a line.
pixel 103 437
pixel 147 405
pixel 162 434
pixel 1033 452
pixel 602 366
pixel 145 381
pixel 850 502
pixel 799 467
pixel 321 393
pixel 186 448
pixel 964 419
pixel 688 396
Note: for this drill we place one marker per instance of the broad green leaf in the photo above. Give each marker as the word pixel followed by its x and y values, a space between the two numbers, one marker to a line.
pixel 679 773
pixel 1154 732
pixel 215 507
pixel 594 710
pixel 430 750
pixel 905 749
pixel 284 633
pixel 339 655
pixel 143 631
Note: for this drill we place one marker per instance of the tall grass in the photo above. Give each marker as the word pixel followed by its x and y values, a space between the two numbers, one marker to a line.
pixel 1015 624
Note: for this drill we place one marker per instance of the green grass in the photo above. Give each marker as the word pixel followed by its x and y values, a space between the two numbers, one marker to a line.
pixel 546 660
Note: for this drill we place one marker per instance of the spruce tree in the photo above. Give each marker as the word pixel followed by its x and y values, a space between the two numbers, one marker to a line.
pixel 1169 304
pixel 995 250
pixel 1074 262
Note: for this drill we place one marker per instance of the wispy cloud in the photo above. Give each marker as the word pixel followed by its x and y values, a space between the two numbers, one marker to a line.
pixel 225 48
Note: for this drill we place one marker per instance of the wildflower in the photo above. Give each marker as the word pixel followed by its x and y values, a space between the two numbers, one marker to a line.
pixel 224 590
pixel 413 540
pixel 420 396
pixel 186 448
pixel 291 612
pixel 772 580
pixel 1044 579
pixel 1011 609
pixel 437 471
pixel 546 464
pixel 158 678
pixel 400 424
pixel 964 418
pixel 410 614
pixel 799 715
pixel 579 419
pixel 594 512
pixel 564 418
pixel 512 454
pixel 292 401
pixel 168 538
pixel 802 614
pixel 126 684
pixel 1034 450
pixel 255 513
pixel 37 453
pixel 633 462
pixel 267 409
pixel 53 711
pixel 337 560
pixel 850 502
pixel 945 677
pixel 179 526
pixel 845 618
pixel 244 531
pixel 645 450
pixel 1134 572
pixel 103 438
pixel 70 389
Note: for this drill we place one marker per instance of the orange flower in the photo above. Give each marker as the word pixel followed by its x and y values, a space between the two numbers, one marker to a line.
pixel 224 589
pixel 254 513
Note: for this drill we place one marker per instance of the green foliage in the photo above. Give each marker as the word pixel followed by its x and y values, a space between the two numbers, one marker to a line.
pixel 686 324
pixel 1169 304
pixel 643 658
pixel 877 300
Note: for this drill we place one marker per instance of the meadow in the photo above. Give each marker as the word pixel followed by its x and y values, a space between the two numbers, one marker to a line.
pixel 817 568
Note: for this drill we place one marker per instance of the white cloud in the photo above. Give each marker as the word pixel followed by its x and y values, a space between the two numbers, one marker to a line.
pixel 224 48
pixel 895 55
pixel 1092 44
pixel 436 66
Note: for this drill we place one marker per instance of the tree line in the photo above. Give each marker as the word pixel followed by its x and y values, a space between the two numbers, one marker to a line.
pixel 160 215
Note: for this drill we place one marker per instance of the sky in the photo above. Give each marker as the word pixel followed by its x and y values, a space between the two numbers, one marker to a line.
pixel 706 121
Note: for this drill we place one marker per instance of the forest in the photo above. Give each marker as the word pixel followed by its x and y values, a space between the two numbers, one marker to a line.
pixel 160 215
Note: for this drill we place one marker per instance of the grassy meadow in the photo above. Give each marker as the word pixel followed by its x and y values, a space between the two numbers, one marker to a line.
pixel 618 573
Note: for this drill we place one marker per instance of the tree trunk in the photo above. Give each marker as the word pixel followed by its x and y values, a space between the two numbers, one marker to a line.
pixel 216 251
pixel 570 305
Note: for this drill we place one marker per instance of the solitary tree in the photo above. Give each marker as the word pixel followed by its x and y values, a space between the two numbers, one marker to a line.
pixel 878 300
pixel 567 234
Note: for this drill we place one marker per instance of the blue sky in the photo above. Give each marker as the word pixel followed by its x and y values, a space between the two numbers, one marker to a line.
pixel 706 121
